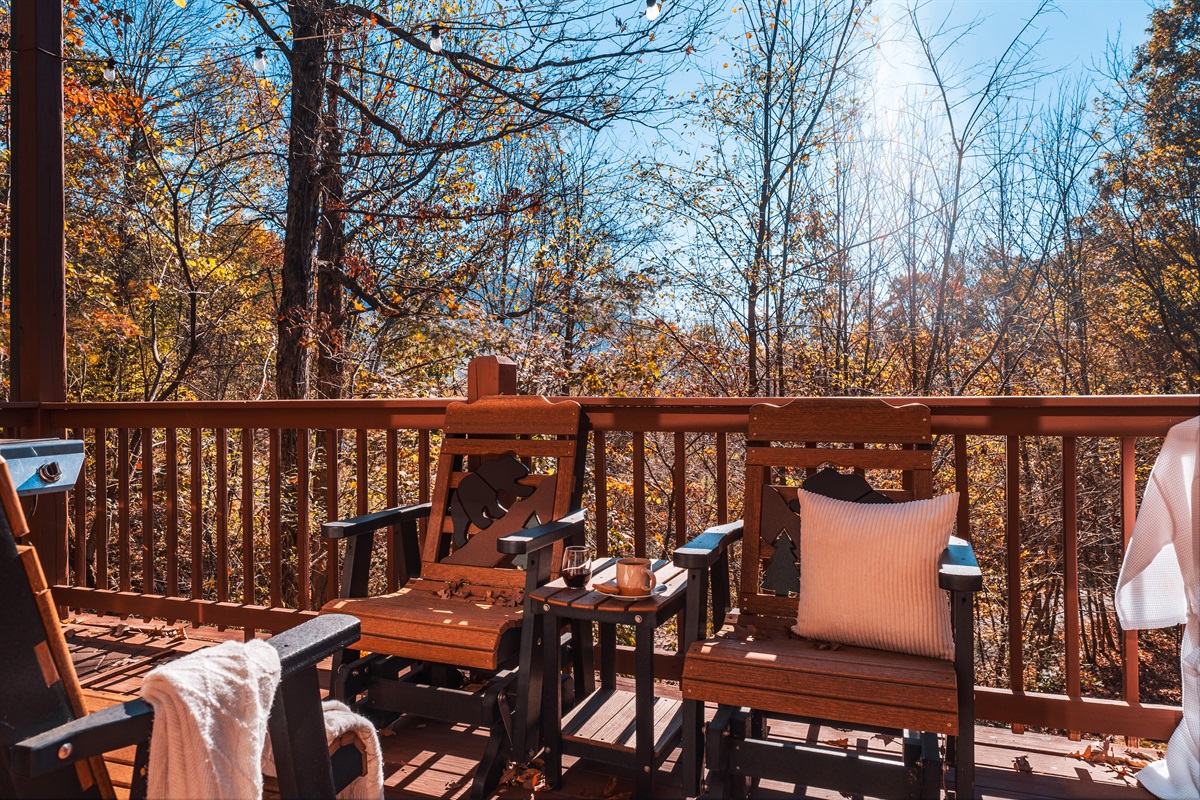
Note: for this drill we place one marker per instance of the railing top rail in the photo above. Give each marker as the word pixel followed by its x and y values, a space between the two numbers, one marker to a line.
pixel 1109 415
pixel 410 413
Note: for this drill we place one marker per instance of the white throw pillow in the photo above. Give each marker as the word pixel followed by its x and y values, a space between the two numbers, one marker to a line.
pixel 868 574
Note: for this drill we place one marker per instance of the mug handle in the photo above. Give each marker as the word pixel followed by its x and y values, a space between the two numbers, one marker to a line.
pixel 648 579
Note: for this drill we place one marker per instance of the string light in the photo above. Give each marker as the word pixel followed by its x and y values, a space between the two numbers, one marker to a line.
pixel 435 38
pixel 653 9
pixel 260 60
pixel 110 70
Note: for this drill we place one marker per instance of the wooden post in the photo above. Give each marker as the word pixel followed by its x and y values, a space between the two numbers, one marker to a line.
pixel 490 375
pixel 38 321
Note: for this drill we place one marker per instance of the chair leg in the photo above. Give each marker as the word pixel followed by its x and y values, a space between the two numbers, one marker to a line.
pixel 529 693
pixel 716 746
pixel 691 758
pixel 964 762
pixel 931 767
pixel 141 764
pixel 740 727
pixel 491 766
pixel 499 750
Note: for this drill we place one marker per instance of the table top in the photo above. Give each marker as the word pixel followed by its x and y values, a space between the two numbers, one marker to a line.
pixel 672 581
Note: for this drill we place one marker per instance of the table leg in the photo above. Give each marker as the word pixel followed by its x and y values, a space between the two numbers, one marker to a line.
pixel 608 656
pixel 551 701
pixel 583 667
pixel 644 707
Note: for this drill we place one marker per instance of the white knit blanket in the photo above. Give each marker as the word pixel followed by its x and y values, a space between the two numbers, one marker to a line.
pixel 339 720
pixel 1160 586
pixel 210 721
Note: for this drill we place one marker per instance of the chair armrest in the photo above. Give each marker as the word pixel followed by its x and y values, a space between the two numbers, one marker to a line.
pixel 368 523
pixel 957 569
pixel 94 735
pixel 544 535
pixel 703 551
pixel 312 642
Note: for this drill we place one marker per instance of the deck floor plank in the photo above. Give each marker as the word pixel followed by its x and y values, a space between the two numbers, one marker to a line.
pixel 427 759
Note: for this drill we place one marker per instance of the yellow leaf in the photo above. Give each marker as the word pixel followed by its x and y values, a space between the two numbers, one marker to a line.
pixel 181 3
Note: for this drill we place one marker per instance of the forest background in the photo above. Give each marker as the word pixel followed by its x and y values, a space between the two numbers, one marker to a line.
pixel 726 201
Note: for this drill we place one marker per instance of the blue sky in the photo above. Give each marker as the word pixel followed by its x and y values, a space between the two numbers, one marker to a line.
pixel 1075 33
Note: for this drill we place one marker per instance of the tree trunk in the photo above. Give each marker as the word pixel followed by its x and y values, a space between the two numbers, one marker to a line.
pixel 303 196
pixel 331 248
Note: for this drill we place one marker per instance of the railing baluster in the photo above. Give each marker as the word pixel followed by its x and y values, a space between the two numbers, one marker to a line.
pixel 722 478
pixel 248 576
pixel 197 512
pixel 1016 654
pixel 422 473
pixel 172 490
pixel 274 489
pixel 79 497
pixel 360 470
pixel 391 480
pixel 600 473
pixel 1070 500
pixel 148 576
pixel 221 501
pixel 125 579
pixel 639 494
pixel 962 486
pixel 680 488
pixel 1129 639
pixel 332 572
pixel 101 518
pixel 302 522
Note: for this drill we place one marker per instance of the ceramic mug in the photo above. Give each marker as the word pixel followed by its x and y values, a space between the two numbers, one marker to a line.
pixel 634 576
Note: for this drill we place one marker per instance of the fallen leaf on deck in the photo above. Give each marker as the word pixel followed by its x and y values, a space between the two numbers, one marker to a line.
pixel 885 738
pixel 836 742
pixel 1103 756
pixel 1120 772
pixel 1021 764
pixel 611 788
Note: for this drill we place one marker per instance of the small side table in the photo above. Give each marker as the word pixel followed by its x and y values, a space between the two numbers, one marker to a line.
pixel 610 725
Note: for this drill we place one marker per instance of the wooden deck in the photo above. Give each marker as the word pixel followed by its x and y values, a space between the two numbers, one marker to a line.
pixel 435 760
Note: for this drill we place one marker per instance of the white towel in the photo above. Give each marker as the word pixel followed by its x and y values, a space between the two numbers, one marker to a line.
pixel 1160 586
pixel 339 719
pixel 210 721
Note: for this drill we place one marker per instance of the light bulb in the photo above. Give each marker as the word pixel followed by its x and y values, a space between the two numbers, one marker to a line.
pixel 653 9
pixel 435 38
pixel 260 60
pixel 110 70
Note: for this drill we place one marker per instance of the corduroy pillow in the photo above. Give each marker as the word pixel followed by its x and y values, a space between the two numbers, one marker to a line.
pixel 868 574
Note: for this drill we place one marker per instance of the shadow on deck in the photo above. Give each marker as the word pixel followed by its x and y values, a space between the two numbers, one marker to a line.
pixel 437 760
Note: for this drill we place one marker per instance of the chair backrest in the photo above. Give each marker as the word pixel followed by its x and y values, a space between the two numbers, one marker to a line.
pixel 507 463
pixel 39 689
pixel 790 444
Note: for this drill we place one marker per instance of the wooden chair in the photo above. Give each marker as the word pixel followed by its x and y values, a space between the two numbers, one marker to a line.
pixel 51 747
pixel 756 670
pixel 448 643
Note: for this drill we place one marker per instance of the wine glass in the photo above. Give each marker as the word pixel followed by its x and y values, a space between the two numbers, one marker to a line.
pixel 576 566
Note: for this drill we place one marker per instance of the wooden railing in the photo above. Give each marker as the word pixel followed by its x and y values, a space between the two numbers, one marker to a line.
pixel 198 505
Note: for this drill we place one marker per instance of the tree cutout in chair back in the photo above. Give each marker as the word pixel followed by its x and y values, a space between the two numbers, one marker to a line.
pixel 477 502
pixel 779 529
pixel 782 575
pixel 848 486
